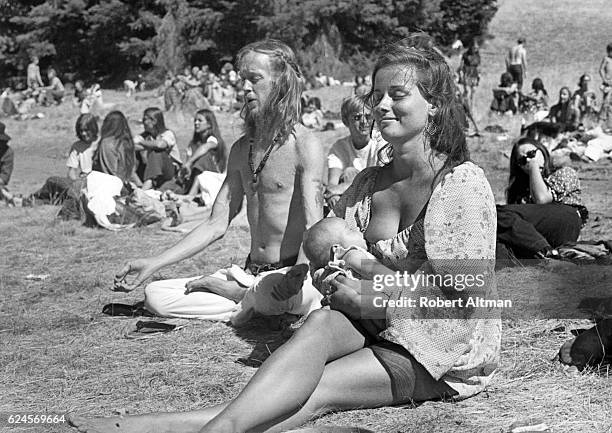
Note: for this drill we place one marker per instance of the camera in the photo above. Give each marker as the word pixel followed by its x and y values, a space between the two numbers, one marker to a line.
pixel 523 159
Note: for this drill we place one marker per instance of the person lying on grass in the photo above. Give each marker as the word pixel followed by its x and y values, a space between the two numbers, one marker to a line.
pixel 429 209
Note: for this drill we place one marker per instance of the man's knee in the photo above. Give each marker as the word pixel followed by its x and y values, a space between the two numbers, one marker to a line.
pixel 156 298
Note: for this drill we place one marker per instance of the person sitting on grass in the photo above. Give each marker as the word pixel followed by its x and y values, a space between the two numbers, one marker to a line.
pixel 277 167
pixel 7 157
pixel 351 154
pixel 115 154
pixel 584 98
pixel 206 151
pixel 536 101
pixel 544 209
pixel 54 92
pixel 430 193
pixel 80 161
pixel 312 116
pixel 504 96
pixel 159 159
pixel 564 112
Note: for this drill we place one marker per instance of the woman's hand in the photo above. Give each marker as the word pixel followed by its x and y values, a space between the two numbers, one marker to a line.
pixel 185 171
pixel 143 268
pixel 346 296
pixel 534 167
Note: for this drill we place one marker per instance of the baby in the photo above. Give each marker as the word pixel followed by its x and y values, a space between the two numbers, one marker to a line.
pixel 333 248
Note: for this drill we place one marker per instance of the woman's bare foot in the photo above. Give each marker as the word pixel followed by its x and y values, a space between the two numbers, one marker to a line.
pixel 190 422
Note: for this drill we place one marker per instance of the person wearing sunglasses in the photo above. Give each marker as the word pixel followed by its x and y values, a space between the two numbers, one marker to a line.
pixel 351 154
pixel 544 209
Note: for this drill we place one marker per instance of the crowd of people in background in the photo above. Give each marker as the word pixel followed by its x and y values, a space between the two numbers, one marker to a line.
pixel 402 180
pixel 574 110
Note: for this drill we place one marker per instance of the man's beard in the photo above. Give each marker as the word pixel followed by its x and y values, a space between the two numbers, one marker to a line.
pixel 263 121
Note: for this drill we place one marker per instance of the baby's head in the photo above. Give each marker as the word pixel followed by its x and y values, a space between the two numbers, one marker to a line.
pixel 321 237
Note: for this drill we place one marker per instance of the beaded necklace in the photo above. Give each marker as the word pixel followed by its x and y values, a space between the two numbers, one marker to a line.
pixel 255 171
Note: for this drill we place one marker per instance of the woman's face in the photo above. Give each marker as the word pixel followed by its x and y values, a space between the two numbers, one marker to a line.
pixel 359 125
pixel 564 95
pixel 86 136
pixel 399 108
pixel 200 124
pixel 149 123
pixel 524 150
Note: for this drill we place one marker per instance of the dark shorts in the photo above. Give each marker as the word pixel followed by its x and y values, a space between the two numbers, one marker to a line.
pixel 410 381
pixel 517 74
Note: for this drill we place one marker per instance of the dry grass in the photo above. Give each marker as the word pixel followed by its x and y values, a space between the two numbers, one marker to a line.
pixel 59 353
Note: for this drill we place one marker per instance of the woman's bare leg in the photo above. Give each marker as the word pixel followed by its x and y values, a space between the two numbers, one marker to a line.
pixel 175 422
pixel 293 369
pixel 354 381
pixel 289 377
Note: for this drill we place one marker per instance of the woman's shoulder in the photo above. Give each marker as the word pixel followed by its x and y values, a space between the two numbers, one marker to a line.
pixel 465 183
pixel 564 173
pixel 466 172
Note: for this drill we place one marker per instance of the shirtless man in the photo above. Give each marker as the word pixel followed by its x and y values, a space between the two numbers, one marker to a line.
pixel 516 63
pixel 34 80
pixel 278 165
pixel 605 72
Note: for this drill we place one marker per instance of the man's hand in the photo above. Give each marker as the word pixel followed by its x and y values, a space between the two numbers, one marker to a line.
pixel 291 284
pixel 143 268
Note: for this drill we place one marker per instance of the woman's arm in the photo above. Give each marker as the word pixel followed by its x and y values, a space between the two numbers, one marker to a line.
pixel 201 151
pixel 153 144
pixel 333 177
pixel 73 173
pixel 538 188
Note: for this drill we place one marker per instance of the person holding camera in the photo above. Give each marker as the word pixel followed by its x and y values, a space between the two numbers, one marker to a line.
pixel 544 209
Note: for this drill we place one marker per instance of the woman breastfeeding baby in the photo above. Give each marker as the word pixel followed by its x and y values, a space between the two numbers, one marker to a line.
pixel 429 210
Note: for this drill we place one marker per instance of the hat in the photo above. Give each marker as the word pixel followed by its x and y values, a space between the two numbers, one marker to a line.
pixel 3 136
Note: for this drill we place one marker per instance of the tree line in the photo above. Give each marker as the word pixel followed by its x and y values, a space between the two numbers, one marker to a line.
pixel 110 40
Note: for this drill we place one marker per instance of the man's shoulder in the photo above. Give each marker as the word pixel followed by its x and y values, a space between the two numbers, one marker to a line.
pixel 239 149
pixel 307 144
pixel 342 145
pixel 304 137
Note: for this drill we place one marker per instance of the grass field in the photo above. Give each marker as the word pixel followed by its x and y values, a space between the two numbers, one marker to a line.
pixel 60 354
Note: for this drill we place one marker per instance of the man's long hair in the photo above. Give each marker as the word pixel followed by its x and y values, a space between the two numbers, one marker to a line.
pixel 281 112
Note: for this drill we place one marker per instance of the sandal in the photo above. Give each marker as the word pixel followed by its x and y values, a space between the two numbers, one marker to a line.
pixel 126 310
pixel 147 329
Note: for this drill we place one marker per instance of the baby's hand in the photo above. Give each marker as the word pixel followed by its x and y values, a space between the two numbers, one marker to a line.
pixel 354 260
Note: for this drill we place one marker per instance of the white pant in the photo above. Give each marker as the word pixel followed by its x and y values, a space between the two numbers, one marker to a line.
pixel 167 298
